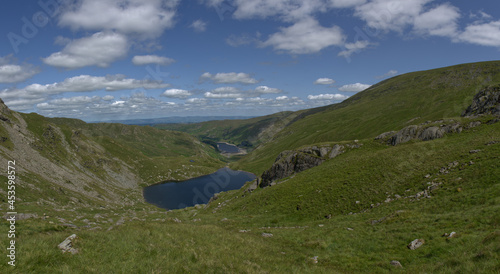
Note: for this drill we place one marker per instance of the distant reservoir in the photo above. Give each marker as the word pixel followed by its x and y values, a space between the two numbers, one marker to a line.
pixel 228 148
pixel 175 195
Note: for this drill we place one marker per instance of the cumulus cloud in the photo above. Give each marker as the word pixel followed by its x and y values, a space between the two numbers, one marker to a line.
pixel 100 49
pixel 345 3
pixel 137 105
pixel 324 81
pixel 351 48
pixel 392 15
pixel 484 34
pixel 354 87
pixel 305 36
pixel 145 18
pixel 24 98
pixel 140 60
pixel 440 21
pixel 228 78
pixel 336 97
pixel 199 25
pixel 14 73
pixel 176 93
pixel 233 92
pixel 267 90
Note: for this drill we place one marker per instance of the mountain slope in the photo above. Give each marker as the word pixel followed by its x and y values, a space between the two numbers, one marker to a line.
pixel 68 161
pixel 392 104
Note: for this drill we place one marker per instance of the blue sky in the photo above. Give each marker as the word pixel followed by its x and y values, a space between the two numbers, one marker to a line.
pixel 100 60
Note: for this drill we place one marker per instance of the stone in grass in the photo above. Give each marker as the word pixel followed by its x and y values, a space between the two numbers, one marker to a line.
pixel 314 259
pixel 416 244
pixel 67 245
pixel 396 263
pixel 267 235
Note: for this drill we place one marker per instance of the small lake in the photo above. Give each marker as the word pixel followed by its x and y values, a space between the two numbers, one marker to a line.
pixel 227 148
pixel 175 195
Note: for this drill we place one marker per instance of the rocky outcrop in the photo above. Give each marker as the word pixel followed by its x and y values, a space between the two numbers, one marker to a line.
pixel 485 102
pixel 421 132
pixel 290 162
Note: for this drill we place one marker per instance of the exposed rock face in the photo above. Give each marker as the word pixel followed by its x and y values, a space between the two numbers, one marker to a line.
pixel 290 162
pixel 486 101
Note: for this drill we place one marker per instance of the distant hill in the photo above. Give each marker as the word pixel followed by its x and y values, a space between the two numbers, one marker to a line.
pixel 173 120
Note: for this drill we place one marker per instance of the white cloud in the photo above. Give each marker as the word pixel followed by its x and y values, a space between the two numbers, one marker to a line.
pixel 176 93
pixel 140 60
pixel 146 18
pixel 351 48
pixel 324 81
pixel 137 105
pixel 346 3
pixel 487 34
pixel 233 92
pixel 199 25
pixel 222 95
pixel 354 87
pixel 229 78
pixel 267 90
pixel 287 10
pixel 305 36
pixel 100 49
pixel 25 98
pixel 280 98
pixel 392 15
pixel 440 21
pixel 336 97
pixel 14 73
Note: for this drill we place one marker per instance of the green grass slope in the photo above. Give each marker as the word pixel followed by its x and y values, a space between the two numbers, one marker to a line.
pixel 389 105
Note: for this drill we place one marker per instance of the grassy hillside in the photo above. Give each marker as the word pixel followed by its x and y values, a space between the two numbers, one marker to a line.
pixel 321 220
pixel 392 104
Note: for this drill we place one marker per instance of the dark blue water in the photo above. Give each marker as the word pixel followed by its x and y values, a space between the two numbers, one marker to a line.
pixel 175 195
pixel 228 148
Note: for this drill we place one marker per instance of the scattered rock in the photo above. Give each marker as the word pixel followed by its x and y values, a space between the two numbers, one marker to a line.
pixel 321 225
pixel 350 229
pixel 177 220
pixel 267 235
pixel 474 151
pixel 314 259
pixel 416 244
pixel 449 236
pixel 224 220
pixel 68 245
pixel 396 264
pixel 244 231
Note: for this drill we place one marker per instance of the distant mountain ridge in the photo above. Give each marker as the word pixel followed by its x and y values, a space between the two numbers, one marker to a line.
pixel 173 120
